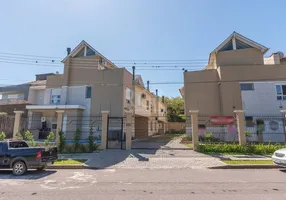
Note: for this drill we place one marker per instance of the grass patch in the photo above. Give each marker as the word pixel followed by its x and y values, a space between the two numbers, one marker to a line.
pixel 188 145
pixel 248 162
pixel 226 148
pixel 70 162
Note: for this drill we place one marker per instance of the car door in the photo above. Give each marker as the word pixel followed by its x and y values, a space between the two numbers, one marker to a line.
pixel 3 156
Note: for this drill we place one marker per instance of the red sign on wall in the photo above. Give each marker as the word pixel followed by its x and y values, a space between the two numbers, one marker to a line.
pixel 222 120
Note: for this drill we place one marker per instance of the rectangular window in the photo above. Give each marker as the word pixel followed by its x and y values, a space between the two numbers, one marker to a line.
pixel 88 92
pixel 128 94
pixel 147 104
pixel 12 96
pixel 56 99
pixel 281 92
pixel 246 86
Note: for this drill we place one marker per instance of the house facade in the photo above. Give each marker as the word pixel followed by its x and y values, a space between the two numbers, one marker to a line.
pixel 16 98
pixel 238 77
pixel 150 111
pixel 89 85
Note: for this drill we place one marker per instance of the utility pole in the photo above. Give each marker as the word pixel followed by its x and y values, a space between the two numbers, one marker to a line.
pixel 157 106
pixel 133 84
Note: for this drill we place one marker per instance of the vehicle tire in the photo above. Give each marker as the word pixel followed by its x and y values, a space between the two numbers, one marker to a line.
pixel 42 168
pixel 19 168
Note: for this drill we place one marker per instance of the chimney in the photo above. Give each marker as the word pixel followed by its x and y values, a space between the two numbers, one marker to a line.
pixel 163 99
pixel 68 51
pixel 156 93
pixel 148 82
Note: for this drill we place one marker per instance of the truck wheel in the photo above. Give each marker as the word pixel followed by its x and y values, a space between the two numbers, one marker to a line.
pixel 19 168
pixel 42 168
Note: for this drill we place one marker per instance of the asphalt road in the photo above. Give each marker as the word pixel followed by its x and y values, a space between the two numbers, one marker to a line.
pixel 134 184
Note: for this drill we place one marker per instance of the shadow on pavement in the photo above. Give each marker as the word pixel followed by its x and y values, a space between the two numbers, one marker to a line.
pixel 142 150
pixel 283 170
pixel 30 175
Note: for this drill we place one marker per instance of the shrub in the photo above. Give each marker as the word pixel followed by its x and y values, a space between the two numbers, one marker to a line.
pixel 91 140
pixel 248 134
pixel 259 149
pixel 83 148
pixel 49 138
pixel 2 136
pixel 187 139
pixel 19 136
pixel 62 141
pixel 29 137
pixel 76 139
pixel 208 136
pixel 68 149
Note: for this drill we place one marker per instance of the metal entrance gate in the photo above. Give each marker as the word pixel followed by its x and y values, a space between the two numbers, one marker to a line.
pixel 115 136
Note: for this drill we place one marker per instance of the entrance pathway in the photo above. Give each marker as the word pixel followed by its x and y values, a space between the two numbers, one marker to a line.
pixel 152 159
pixel 159 152
pixel 159 142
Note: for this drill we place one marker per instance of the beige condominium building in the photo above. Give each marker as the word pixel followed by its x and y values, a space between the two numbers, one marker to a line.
pixel 150 111
pixel 237 77
pixel 89 85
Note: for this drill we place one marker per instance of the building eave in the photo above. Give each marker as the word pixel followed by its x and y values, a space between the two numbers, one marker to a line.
pixel 243 39
pixel 79 46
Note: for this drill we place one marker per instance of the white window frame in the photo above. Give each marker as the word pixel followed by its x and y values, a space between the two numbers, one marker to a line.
pixel 245 84
pixel 58 98
pixel 282 96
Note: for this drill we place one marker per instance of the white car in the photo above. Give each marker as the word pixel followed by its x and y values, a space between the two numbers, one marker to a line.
pixel 279 157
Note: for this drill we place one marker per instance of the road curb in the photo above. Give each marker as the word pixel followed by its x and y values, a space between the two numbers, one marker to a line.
pixel 70 167
pixel 246 167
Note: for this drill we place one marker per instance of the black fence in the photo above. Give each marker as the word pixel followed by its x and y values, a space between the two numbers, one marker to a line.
pixel 258 128
pixel 7 125
pixel 265 129
pixel 217 129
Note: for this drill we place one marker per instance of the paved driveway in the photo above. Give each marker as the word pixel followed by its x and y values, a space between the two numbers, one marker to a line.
pixel 161 152
pixel 159 142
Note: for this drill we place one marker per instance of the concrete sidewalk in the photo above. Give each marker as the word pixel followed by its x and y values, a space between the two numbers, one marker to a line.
pixel 242 157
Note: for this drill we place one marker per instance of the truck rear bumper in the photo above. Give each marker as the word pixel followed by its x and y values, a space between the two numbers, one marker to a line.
pixel 41 162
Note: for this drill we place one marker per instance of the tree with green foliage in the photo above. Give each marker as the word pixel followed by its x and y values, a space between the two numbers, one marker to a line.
pixel 62 141
pixel 19 136
pixel 2 136
pixel 49 138
pixel 91 140
pixel 76 140
pixel 175 109
pixel 29 137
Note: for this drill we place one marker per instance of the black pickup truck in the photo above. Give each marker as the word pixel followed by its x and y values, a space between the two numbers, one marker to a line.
pixel 16 154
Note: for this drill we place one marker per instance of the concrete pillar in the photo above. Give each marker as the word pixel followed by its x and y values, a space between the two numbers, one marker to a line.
pixel 128 135
pixel 104 128
pixel 17 122
pixel 284 127
pixel 30 119
pixel 188 126
pixel 59 125
pixel 195 129
pixel 240 126
pixel 164 128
